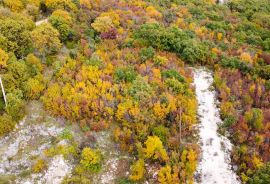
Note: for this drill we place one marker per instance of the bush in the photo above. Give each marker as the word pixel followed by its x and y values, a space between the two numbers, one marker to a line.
pixel 127 74
pixel 255 118
pixel 233 62
pixel 15 106
pixel 263 71
pixel 94 61
pixel 34 87
pixel 261 176
pixel 140 89
pixel 137 170
pixel 176 86
pixel 147 53
pixel 66 134
pixel 229 121
pixel 91 160
pixel 39 166
pixel 157 36
pixel 6 124
pixel 266 44
pixel 162 132
pixel 172 74
pixel 154 149
pixel 194 52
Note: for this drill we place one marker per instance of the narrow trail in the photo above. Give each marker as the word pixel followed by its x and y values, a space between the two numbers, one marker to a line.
pixel 41 22
pixel 214 167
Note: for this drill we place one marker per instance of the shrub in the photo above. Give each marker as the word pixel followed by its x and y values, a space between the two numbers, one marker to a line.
pixel 34 87
pixel 194 52
pixel 176 86
pixel 6 124
pixel 159 60
pixel 167 175
pixel 15 106
pixel 227 109
pixel 263 71
pixel 91 160
pixel 154 149
pixel 39 166
pixel 147 53
pixel 66 134
pixel 137 170
pixel 172 74
pixel 94 61
pixel 229 121
pixel 127 74
pixel 162 132
pixel 140 89
pixel 260 176
pixel 233 62
pixel 34 64
pixel 266 44
pixel 255 118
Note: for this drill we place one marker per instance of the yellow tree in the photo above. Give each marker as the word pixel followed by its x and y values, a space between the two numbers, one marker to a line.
pixel 86 4
pixel 154 148
pixel 152 12
pixel 62 15
pixel 106 21
pixel 168 176
pixel 14 5
pixel 46 39
pixel 102 24
pixel 34 87
pixel 137 170
pixel 60 4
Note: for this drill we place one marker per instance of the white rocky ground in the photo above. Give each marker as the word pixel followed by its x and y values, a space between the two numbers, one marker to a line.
pixel 31 137
pixel 115 165
pixel 38 131
pixel 214 167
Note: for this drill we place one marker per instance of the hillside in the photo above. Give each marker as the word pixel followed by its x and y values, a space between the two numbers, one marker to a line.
pixel 135 91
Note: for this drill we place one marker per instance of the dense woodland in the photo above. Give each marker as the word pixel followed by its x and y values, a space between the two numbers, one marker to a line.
pixel 125 64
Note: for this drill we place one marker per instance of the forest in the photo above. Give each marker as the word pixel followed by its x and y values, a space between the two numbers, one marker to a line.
pixel 126 67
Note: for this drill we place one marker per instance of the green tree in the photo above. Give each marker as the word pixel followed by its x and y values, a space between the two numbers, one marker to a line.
pixel 15 36
pixel 61 20
pixel 15 106
pixel 194 52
